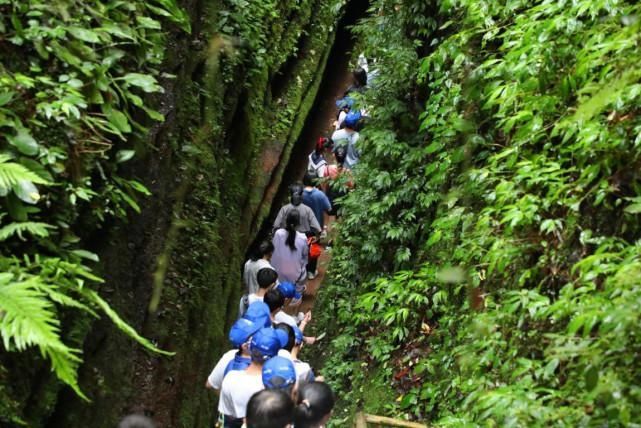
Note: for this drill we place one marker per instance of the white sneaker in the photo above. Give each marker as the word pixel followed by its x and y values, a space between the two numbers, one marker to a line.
pixel 311 275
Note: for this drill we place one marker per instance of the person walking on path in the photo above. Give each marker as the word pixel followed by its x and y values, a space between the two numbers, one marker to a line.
pixel 239 335
pixel 314 405
pixel 348 137
pixel 307 222
pixel 270 408
pixel 238 386
pixel 266 279
pixel 316 160
pixel 319 203
pixel 255 263
pixel 291 250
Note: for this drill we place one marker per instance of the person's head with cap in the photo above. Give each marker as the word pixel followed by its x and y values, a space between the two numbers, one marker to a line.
pixel 279 373
pixel 264 345
pixel 269 408
pixel 266 277
pixel 274 300
pixel 259 313
pixel 351 120
pixel 314 405
pixel 286 334
pixel 288 291
pixel 241 331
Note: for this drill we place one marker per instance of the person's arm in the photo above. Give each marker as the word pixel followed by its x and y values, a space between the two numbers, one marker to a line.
pixel 215 379
pixel 313 222
pixel 305 255
pixel 327 206
pixel 278 223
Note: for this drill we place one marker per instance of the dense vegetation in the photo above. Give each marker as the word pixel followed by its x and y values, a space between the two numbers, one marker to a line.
pixel 488 266
pixel 72 95
pixel 141 143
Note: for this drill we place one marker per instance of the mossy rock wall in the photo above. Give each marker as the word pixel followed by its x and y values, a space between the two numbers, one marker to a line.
pixel 213 168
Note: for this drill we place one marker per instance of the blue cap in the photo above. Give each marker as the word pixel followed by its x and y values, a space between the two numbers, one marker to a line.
pixel 298 336
pixel 265 343
pixel 345 102
pixel 278 373
pixel 283 337
pixel 242 330
pixel 289 290
pixel 258 312
pixel 352 118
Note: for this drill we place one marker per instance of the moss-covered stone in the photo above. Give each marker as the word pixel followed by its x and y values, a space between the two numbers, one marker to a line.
pixel 213 167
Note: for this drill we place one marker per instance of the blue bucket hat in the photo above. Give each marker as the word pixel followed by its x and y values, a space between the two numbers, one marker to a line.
pixel 278 373
pixel 289 290
pixel 298 336
pixel 242 330
pixel 258 312
pixel 352 118
pixel 264 344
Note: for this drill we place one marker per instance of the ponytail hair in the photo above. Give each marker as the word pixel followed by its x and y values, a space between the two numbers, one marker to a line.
pixel 315 401
pixel 291 223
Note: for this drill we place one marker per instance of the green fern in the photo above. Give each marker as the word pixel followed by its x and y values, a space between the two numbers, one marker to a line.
pixel 120 323
pixel 28 318
pixel 12 173
pixel 34 228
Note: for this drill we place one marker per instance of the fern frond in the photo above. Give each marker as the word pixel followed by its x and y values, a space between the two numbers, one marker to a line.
pixel 28 318
pixel 12 173
pixel 54 293
pixel 32 227
pixel 122 324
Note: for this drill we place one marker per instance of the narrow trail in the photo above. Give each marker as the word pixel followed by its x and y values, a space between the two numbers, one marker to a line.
pixel 336 79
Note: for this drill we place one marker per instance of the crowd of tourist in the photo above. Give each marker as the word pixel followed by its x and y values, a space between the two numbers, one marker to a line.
pixel 261 381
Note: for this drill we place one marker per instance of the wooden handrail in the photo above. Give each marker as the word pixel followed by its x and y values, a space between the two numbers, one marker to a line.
pixel 362 419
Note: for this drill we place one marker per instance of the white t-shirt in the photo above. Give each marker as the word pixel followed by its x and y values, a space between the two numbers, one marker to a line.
pixel 215 379
pixel 238 387
pixel 281 316
pixel 251 270
pixel 303 370
pixel 341 118
pixel 254 298
pixel 348 138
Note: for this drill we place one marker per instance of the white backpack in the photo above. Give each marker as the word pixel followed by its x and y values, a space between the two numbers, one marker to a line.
pixel 313 167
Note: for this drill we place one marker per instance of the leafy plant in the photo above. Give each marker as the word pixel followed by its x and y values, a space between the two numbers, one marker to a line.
pixel 503 139
pixel 73 97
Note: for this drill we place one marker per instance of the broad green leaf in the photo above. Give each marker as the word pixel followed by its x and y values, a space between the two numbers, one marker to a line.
pixel 145 82
pixel 26 191
pixel 124 155
pixel 633 208
pixel 119 120
pixel 84 34
pixel 6 97
pixel 24 142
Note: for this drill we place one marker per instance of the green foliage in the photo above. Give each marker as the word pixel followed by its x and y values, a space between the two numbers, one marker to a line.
pixel 509 149
pixel 73 85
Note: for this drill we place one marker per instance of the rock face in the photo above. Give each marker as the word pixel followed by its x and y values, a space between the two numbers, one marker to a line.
pixel 234 110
